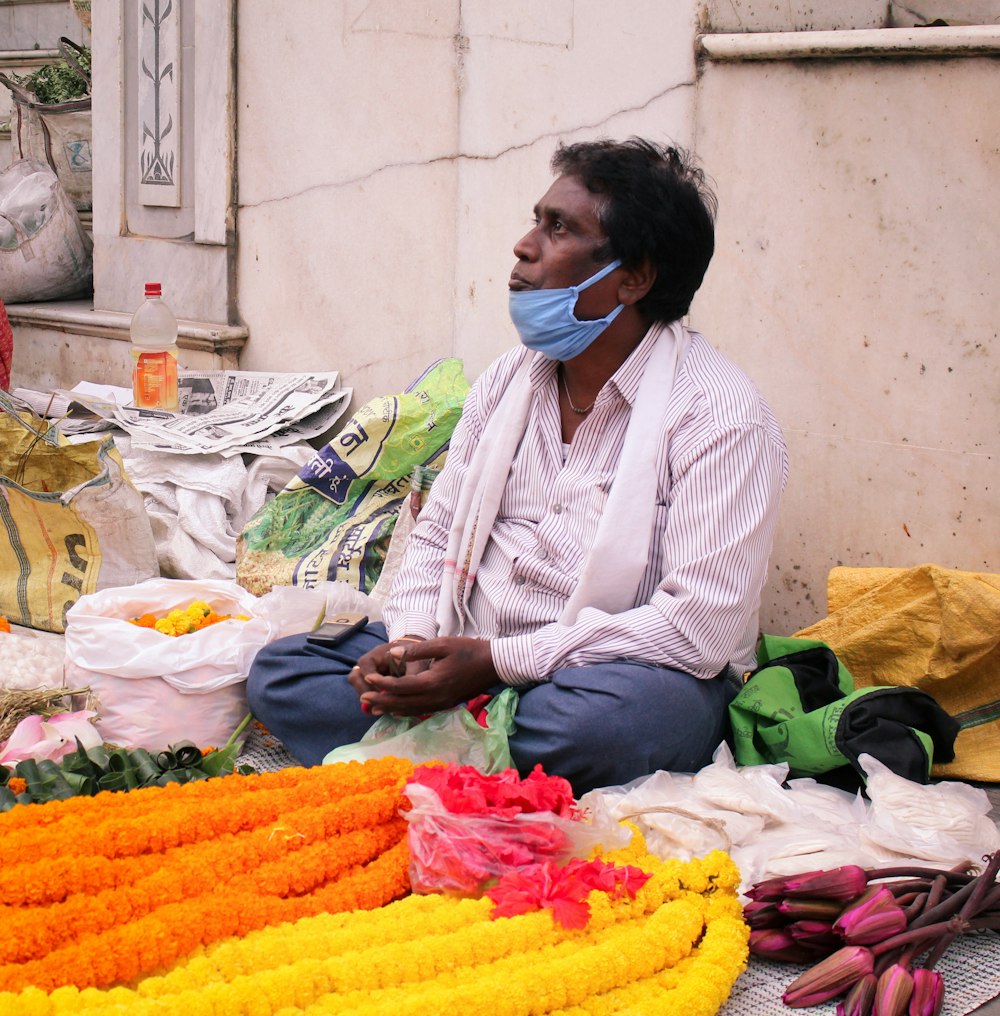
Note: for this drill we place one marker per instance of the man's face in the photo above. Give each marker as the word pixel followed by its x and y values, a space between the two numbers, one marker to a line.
pixel 558 251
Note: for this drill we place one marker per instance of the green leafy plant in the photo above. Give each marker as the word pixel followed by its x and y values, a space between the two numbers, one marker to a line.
pixel 57 82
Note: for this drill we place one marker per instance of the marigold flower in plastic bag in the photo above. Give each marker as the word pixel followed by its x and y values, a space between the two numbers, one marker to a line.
pixel 192 618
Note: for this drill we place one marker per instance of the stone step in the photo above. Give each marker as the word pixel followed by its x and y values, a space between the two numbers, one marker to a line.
pixel 59 343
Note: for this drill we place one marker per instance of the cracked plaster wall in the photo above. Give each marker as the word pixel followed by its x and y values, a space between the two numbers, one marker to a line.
pixel 378 210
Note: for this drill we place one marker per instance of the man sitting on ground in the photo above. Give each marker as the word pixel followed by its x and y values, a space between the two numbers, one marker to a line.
pixel 599 537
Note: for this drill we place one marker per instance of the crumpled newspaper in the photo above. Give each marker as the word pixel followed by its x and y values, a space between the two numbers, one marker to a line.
pixel 774 826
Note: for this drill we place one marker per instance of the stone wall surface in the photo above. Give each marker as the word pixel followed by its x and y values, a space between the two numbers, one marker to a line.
pixel 856 279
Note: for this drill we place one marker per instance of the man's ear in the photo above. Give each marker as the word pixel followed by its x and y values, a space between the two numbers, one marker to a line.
pixel 636 283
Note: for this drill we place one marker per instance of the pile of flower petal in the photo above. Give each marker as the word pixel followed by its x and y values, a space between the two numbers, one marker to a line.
pixel 877 934
pixel 175 907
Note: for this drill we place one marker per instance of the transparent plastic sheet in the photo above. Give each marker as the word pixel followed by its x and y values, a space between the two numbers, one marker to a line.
pixel 450 736
pixel 461 855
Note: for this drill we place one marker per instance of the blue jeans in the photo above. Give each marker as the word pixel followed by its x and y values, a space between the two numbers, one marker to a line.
pixel 599 725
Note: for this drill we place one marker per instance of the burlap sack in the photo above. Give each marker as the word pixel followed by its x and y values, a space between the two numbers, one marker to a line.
pixel 930 628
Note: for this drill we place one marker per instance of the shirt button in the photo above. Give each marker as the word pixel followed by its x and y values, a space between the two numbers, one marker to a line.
pixel 543 554
pixel 557 509
pixel 519 580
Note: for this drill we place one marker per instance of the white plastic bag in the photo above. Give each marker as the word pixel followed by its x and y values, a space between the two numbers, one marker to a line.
pixel 154 689
pixel 45 254
pixel 943 824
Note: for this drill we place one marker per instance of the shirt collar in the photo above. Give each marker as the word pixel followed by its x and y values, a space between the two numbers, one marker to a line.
pixel 625 380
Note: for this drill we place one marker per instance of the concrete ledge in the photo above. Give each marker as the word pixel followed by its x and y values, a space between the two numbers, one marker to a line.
pixel 878 43
pixel 27 57
pixel 78 317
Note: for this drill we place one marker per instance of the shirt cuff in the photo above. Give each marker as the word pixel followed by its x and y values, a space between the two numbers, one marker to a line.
pixel 413 624
pixel 514 661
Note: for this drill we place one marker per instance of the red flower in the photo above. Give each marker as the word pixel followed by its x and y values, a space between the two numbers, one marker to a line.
pixel 464 790
pixel 564 891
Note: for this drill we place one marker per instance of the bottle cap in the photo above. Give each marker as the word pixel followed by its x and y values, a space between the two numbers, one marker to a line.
pixel 152 289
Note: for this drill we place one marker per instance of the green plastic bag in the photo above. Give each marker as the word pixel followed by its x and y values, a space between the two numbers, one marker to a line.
pixel 800 707
pixel 449 736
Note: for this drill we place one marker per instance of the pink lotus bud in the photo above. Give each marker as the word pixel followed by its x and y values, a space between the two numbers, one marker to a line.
pixel 814 933
pixel 928 993
pixel 829 978
pixel 893 991
pixel 761 914
pixel 860 998
pixel 876 918
pixel 777 944
pixel 808 908
pixel 844 883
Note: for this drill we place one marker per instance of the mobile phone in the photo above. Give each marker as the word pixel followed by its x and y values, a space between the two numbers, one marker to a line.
pixel 334 631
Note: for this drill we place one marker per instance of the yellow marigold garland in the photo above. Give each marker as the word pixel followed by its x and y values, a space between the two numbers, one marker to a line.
pixel 675 949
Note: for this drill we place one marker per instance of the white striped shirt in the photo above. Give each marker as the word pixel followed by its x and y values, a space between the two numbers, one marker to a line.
pixel 697 605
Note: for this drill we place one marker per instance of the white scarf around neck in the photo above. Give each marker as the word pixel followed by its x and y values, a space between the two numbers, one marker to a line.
pixel 629 509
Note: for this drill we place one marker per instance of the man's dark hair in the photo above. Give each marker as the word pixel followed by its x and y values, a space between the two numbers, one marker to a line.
pixel 655 204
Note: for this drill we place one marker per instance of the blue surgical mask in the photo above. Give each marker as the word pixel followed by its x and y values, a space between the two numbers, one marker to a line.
pixel 546 322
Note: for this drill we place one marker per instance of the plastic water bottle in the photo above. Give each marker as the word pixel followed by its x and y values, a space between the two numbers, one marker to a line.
pixel 154 353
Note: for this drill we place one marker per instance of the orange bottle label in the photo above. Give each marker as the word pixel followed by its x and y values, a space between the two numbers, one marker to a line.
pixel 154 381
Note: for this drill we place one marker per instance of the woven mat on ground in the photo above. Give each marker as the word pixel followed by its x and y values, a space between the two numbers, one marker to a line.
pixel 971 971
pixel 264 751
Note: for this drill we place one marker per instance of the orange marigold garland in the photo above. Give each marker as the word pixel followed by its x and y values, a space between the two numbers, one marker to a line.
pixel 147 821
pixel 340 822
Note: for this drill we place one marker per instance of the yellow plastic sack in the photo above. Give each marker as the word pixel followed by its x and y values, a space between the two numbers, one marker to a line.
pixel 72 524
pixel 930 628
pixel 334 521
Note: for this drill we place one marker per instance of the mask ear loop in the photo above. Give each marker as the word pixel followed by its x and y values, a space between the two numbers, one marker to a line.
pixel 606 270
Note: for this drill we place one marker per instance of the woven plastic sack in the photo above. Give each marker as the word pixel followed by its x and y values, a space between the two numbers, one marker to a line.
pixel 58 134
pixel 334 521
pixel 45 253
pixel 72 523
pixel 930 628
